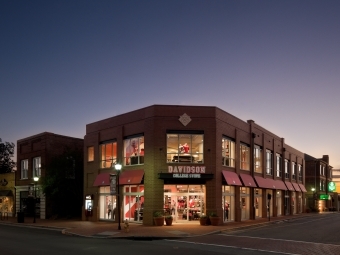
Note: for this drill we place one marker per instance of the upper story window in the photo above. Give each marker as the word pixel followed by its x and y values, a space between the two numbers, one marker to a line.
pixel 24 169
pixel 228 152
pixel 269 162
pixel 320 170
pixel 300 172
pixel 245 156
pixel 278 165
pixel 134 150
pixel 323 170
pixel 287 175
pixel 37 167
pixel 293 171
pixel 257 159
pixel 90 154
pixel 185 148
pixel 108 154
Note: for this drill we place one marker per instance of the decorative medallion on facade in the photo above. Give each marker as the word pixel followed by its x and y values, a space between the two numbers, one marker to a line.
pixel 185 119
pixel 3 182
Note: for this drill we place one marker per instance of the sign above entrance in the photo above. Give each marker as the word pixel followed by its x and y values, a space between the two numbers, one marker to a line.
pixel 184 176
pixel 186 169
pixel 325 197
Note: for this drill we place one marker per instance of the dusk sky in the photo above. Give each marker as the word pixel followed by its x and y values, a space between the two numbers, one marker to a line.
pixel 65 64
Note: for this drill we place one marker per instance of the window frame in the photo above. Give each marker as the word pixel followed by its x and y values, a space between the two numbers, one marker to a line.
pixel 36 162
pixel 278 165
pixel 286 164
pixel 269 162
pixel 133 151
pixel 90 153
pixel 228 154
pixel 105 163
pixel 245 161
pixel 258 155
pixel 24 169
pixel 185 147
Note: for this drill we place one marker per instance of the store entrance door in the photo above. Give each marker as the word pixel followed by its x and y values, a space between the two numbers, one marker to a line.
pixel 184 202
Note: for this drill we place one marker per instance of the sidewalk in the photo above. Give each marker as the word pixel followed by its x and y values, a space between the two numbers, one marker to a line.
pixel 138 231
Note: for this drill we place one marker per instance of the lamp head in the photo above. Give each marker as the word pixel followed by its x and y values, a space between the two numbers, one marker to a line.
pixel 36 178
pixel 118 167
pixel 313 189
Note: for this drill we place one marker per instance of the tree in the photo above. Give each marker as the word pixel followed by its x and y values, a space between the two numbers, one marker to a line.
pixel 63 184
pixel 6 153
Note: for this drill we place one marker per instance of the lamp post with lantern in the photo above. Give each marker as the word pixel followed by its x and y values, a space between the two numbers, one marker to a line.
pixel 118 168
pixel 36 179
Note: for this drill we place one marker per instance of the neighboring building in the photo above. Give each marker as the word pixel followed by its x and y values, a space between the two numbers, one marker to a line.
pixel 336 179
pixel 7 191
pixel 34 154
pixel 188 161
pixel 318 178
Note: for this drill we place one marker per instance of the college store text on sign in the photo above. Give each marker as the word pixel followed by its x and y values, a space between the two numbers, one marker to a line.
pixel 185 172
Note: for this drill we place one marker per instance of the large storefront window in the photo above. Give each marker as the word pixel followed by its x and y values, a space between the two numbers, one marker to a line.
pixel 134 151
pixel 244 203
pixel 258 203
pixel 279 202
pixel 228 152
pixel 107 204
pixel 133 203
pixel 185 148
pixel 257 159
pixel 108 155
pixel 244 152
pixel 228 202
pixel 184 202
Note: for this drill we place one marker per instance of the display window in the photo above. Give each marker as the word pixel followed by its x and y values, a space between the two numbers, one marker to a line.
pixel 108 155
pixel 228 202
pixel 228 152
pixel 133 203
pixel 134 151
pixel 107 204
pixel 184 202
pixel 185 148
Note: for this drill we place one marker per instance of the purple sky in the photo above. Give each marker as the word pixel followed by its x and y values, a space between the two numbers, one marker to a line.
pixel 65 64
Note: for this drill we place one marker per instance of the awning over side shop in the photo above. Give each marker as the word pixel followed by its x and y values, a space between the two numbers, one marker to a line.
pixel 231 178
pixel 265 183
pixel 302 187
pixel 290 186
pixel 102 179
pixel 296 187
pixel 248 180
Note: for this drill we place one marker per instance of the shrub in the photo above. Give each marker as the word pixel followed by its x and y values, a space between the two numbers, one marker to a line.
pixel 158 214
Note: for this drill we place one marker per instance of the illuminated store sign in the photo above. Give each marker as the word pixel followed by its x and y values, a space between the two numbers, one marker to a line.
pixel 331 187
pixel 186 176
pixel 186 169
pixel 325 197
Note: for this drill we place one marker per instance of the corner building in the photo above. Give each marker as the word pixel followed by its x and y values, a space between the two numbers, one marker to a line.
pixel 188 161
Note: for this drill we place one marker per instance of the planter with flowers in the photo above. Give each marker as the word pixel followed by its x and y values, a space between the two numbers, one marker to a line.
pixel 203 220
pixel 214 219
pixel 168 220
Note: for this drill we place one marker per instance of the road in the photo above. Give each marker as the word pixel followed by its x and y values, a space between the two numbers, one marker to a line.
pixel 305 236
pixel 311 235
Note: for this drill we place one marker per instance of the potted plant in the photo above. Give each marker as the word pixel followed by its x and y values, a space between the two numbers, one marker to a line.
pixel 203 220
pixel 214 219
pixel 158 218
pixel 168 220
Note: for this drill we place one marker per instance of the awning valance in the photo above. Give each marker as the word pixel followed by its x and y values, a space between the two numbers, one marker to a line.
pixel 302 187
pixel 280 185
pixel 131 177
pixel 296 187
pixel 265 183
pixel 248 180
pixel 231 178
pixel 125 178
pixel 289 186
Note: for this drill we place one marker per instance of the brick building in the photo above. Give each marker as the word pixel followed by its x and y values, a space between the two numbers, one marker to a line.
pixel 188 161
pixel 34 156
pixel 318 178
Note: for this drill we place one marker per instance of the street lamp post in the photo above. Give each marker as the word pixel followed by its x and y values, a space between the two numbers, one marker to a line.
pixel 36 179
pixel 118 167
